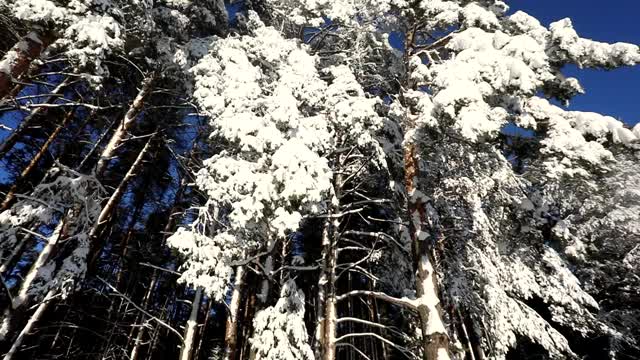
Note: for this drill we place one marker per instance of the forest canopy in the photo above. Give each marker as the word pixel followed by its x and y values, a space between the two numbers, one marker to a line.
pixel 311 179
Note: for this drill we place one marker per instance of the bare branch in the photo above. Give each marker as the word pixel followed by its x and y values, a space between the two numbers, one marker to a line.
pixel 123 296
pixel 406 302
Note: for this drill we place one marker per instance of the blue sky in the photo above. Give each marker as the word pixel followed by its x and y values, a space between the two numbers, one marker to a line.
pixel 616 92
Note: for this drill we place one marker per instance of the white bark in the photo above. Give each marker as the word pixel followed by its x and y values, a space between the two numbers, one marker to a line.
pixel 29 326
pixel 43 258
pixel 330 258
pixel 190 330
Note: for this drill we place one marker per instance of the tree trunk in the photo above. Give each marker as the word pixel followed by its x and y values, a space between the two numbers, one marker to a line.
pixel 434 334
pixel 231 332
pixel 43 259
pixel 329 319
pixel 13 257
pixel 268 269
pixel 17 60
pixel 30 324
pixel 32 164
pixel 207 316
pixel 190 329
pixel 111 204
pixel 12 139
pixel 145 303
pixel 135 352
pixel 14 312
pixel 96 144
pixel 125 125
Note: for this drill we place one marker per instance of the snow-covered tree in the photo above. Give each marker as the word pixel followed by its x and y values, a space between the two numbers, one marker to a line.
pixel 72 202
pixel 279 330
pixel 374 179
pixel 261 99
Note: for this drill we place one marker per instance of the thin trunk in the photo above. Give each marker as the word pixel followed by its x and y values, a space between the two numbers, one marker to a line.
pixel 268 269
pixel 32 164
pixel 469 350
pixel 125 125
pixel 14 313
pixel 29 326
pixel 231 332
pixel 60 328
pixel 124 243
pixel 13 257
pixel 8 143
pixel 111 204
pixel 17 60
pixel 322 291
pixel 156 278
pixel 43 259
pixel 190 329
pixel 95 145
pixel 247 329
pixel 145 303
pixel 157 331
pixel 434 334
pixel 383 332
pixel 328 280
pixel 204 329
pixel 330 310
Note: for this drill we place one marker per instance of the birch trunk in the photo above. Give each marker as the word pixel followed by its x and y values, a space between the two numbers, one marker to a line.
pixel 231 331
pixel 17 60
pixel 125 125
pixel 322 293
pixel 32 164
pixel 190 330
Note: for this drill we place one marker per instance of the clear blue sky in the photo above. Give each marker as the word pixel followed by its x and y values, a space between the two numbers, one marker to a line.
pixel 617 92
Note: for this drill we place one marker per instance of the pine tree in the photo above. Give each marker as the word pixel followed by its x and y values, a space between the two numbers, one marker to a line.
pixel 288 179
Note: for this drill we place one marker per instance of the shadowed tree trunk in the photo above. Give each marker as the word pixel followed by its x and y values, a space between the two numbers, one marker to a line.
pixel 30 324
pixel 32 164
pixel 110 206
